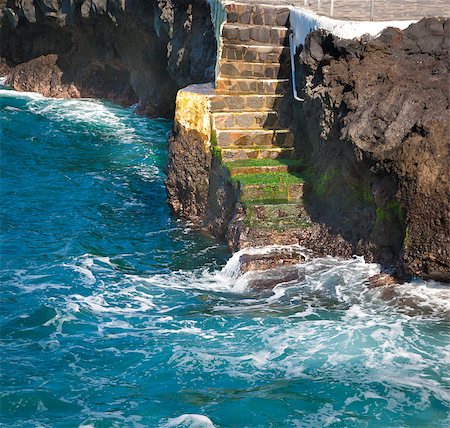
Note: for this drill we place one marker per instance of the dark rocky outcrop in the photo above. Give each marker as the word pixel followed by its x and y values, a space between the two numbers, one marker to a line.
pixel 198 186
pixel 374 130
pixel 128 51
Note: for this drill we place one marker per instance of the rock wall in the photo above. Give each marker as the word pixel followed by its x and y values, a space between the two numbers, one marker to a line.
pixel 128 51
pixel 374 131
pixel 198 186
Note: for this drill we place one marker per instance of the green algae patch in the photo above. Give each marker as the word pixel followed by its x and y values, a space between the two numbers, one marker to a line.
pixel 406 239
pixel 390 212
pixel 322 184
pixel 362 192
pixel 215 149
pixel 270 186
pixel 269 179
pixel 264 162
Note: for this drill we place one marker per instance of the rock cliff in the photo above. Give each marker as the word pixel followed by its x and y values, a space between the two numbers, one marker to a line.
pixel 128 51
pixel 374 130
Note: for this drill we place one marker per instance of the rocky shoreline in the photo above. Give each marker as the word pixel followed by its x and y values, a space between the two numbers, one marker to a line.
pixel 129 52
pixel 372 135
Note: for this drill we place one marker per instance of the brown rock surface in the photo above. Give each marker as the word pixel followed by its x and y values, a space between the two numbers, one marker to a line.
pixel 376 132
pixel 41 75
pixel 198 187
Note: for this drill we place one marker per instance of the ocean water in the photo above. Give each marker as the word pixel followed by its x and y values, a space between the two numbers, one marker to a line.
pixel 115 314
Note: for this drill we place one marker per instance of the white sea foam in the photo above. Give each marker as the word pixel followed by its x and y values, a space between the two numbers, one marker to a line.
pixel 8 93
pixel 334 324
pixel 334 328
pixel 189 421
pixel 96 114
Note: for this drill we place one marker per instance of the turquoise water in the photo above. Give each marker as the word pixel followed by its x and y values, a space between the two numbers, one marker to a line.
pixel 114 314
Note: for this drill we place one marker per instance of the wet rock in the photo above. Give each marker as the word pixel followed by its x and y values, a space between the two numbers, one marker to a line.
pixel 267 280
pixel 382 280
pixel 274 259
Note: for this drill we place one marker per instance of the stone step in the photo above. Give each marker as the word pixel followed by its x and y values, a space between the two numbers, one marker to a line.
pixel 270 187
pixel 245 120
pixel 255 35
pixel 274 209
pixel 254 70
pixel 280 224
pixel 263 166
pixel 252 53
pixel 249 102
pixel 252 86
pixel 276 215
pixel 231 154
pixel 257 15
pixel 253 138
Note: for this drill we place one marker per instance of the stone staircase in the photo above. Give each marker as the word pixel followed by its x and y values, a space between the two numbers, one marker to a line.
pixel 247 119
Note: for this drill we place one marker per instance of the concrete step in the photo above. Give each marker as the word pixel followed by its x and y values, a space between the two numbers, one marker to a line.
pixel 255 53
pixel 263 166
pixel 252 86
pixel 245 120
pixel 231 154
pixel 249 102
pixel 254 138
pixel 277 214
pixel 255 35
pixel 270 187
pixel 254 70
pixel 257 15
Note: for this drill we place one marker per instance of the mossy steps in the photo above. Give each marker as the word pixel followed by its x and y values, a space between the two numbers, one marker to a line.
pixel 241 118
pixel 263 166
pixel 276 215
pixel 245 118
pixel 270 186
